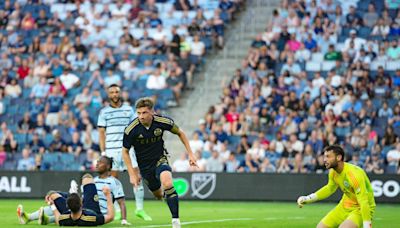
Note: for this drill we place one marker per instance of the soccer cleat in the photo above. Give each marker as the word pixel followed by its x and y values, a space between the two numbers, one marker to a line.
pixel 176 223
pixel 143 215
pixel 43 218
pixel 22 216
pixel 73 187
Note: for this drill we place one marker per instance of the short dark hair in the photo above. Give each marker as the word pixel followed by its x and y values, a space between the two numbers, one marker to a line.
pixel 112 85
pixel 144 102
pixel 109 161
pixel 74 202
pixel 337 149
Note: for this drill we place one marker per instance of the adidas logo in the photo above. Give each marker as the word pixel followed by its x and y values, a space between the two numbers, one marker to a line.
pixel 140 136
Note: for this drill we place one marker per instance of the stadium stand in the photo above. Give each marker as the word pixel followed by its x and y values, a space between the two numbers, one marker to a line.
pixel 58 56
pixel 319 75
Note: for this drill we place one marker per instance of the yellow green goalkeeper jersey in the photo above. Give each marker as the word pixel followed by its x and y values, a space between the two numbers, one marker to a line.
pixel 356 188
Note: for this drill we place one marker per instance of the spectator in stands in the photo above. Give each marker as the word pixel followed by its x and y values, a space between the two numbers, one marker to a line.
pixel 25 126
pixel 393 52
pixel 371 17
pixel 232 164
pixel 175 82
pixel 156 81
pixel 380 29
pixel 36 145
pixel 181 164
pixel 53 106
pixel 214 163
pixel 13 89
pixel 385 111
pixel 393 159
pixel 7 140
pixel 27 162
pixel 395 29
pixel 353 19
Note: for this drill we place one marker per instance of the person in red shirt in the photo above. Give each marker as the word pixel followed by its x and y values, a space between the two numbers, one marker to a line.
pixel 23 69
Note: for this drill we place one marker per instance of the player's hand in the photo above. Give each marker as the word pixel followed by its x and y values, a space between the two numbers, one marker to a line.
pixel 193 161
pixel 301 201
pixel 135 180
pixel 106 190
pixel 125 223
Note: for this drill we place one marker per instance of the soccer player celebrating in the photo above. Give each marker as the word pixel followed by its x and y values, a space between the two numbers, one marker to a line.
pixel 111 124
pixel 145 134
pixel 45 215
pixel 357 205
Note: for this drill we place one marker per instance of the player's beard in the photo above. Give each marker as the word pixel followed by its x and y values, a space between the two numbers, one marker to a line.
pixel 115 100
pixel 331 165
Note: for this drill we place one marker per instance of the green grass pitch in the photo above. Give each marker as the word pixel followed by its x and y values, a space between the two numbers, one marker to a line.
pixel 219 214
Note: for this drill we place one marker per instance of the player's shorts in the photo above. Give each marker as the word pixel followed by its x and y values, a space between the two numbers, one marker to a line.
pixel 91 199
pixel 151 176
pixel 339 214
pixel 118 161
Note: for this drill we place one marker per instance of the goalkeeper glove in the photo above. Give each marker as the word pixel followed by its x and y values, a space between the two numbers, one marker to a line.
pixel 306 199
pixel 367 224
pixel 125 223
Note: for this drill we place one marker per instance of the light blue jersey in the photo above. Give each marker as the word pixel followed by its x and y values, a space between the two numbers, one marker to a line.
pixel 115 186
pixel 114 120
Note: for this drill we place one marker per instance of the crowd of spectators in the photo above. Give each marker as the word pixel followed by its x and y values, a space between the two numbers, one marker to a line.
pixel 323 72
pixel 58 56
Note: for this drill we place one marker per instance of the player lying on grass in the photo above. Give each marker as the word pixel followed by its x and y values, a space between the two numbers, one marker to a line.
pixel 357 205
pixel 45 215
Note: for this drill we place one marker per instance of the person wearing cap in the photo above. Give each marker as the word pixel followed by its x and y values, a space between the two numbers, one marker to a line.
pixel 358 42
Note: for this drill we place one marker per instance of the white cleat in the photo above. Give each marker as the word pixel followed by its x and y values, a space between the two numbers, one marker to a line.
pixel 176 223
pixel 73 187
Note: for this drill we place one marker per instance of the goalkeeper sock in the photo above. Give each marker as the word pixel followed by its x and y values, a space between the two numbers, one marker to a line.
pixel 139 195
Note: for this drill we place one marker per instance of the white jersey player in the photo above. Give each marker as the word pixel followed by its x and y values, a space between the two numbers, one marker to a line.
pixel 111 125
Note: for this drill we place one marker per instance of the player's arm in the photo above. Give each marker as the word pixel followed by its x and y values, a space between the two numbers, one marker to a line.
pixel 110 206
pixel 122 205
pixel 182 136
pixel 321 194
pixel 357 182
pixel 101 125
pixel 133 173
pixel 102 139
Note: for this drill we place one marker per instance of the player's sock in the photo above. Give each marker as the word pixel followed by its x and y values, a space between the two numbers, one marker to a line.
pixel 172 201
pixel 139 196
pixel 22 216
pixel 117 208
pixel 34 215
pixel 52 219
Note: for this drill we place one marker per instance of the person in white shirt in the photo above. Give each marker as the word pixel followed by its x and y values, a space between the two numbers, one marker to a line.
pixel 112 79
pixel 197 50
pixel 69 80
pixel 318 81
pixel 156 81
pixel 181 165
pixel 358 42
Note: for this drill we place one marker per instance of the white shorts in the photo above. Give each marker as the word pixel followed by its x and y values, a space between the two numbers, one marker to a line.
pixel 118 161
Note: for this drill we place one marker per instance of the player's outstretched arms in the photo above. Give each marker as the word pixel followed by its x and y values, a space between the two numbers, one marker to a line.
pixel 306 199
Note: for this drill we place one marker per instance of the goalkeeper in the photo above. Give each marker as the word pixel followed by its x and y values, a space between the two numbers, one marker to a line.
pixel 357 205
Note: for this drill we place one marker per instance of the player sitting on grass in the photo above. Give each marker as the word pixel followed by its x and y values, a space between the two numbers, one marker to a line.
pixel 357 205
pixel 45 215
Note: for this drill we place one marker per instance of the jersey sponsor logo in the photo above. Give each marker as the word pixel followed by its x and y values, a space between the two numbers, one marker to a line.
pixel 96 198
pixel 149 140
pixel 157 132
pixel 203 184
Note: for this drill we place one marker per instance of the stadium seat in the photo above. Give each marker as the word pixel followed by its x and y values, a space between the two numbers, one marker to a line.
pixel 313 66
pixel 393 65
pixel 328 65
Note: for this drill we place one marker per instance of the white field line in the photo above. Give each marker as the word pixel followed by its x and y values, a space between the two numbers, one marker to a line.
pixel 194 222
